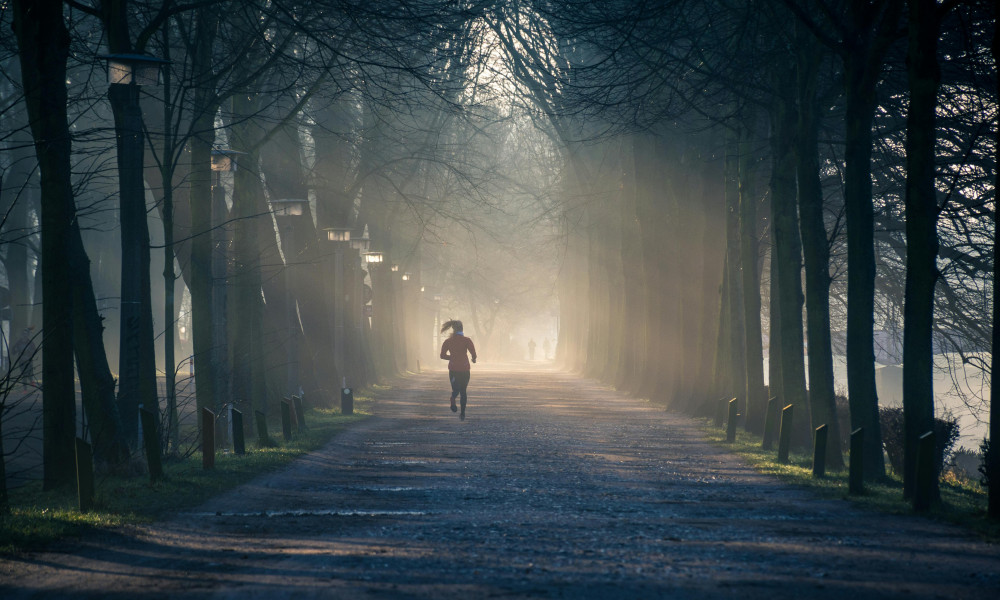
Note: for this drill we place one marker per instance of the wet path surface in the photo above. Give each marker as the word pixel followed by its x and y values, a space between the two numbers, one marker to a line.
pixel 553 487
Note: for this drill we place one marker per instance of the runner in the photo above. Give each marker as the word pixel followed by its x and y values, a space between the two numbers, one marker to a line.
pixel 454 350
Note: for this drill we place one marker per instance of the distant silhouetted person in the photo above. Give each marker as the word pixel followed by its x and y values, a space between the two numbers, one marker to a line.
pixel 531 349
pixel 546 346
pixel 455 350
pixel 22 355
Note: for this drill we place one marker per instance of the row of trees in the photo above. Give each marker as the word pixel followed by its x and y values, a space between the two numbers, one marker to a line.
pixel 340 116
pixel 764 148
pixel 833 162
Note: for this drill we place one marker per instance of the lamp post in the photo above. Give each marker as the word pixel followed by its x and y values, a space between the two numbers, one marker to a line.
pixel 285 210
pixel 361 348
pixel 404 301
pixel 341 238
pixel 127 73
pixel 224 160
pixel 437 324
pixel 373 261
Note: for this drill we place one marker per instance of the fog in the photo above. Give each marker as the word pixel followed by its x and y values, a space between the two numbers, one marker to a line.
pixel 660 200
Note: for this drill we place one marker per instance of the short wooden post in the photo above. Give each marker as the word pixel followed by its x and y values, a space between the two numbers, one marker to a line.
pixel 239 443
pixel 923 493
pixel 731 423
pixel 785 433
pixel 819 452
pixel 346 401
pixel 856 475
pixel 300 413
pixel 84 476
pixel 770 424
pixel 286 420
pixel 262 437
pixel 207 439
pixel 151 439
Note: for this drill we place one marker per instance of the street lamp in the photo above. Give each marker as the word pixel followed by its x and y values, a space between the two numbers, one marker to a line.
pixel 289 207
pixel 394 268
pixel 406 276
pixel 341 237
pixel 133 69
pixel 224 160
pixel 363 243
pixel 338 234
pixel 437 321
pixel 137 353
pixel 373 258
pixel 283 208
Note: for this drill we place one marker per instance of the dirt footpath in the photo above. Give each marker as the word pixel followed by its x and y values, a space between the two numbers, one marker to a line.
pixel 553 487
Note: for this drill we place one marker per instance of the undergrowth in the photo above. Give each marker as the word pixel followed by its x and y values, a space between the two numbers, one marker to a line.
pixel 38 518
pixel 963 500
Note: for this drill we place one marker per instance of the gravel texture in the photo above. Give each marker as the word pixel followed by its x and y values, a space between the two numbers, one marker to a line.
pixel 553 487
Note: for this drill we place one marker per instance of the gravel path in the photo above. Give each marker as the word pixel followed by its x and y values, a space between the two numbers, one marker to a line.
pixel 553 487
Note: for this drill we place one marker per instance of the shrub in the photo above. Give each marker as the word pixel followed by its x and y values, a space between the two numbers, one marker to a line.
pixel 984 465
pixel 964 464
pixel 946 434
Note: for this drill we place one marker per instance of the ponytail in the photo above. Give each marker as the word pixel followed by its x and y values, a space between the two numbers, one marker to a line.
pixel 453 325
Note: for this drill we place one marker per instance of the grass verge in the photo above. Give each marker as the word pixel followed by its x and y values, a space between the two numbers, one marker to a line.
pixel 38 518
pixel 963 501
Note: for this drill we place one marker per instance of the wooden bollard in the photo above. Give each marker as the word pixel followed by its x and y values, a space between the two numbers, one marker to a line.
pixel 207 439
pixel 239 443
pixel 346 401
pixel 262 437
pixel 923 492
pixel 819 451
pixel 731 423
pixel 300 413
pixel 151 440
pixel 770 424
pixel 785 433
pixel 84 476
pixel 286 420
pixel 856 474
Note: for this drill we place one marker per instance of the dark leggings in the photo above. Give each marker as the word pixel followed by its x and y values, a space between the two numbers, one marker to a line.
pixel 459 382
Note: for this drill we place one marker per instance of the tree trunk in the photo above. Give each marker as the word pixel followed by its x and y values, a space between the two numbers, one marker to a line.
pixel 97 384
pixel 17 196
pixel 201 283
pixel 43 43
pixel 250 213
pixel 774 325
pixel 860 224
pixel 992 462
pixel 862 66
pixel 648 225
pixel 921 236
pixel 632 360
pixel 166 170
pixel 749 257
pixel 737 344
pixel 713 267
pixel 137 354
pixel 787 250
pixel 816 253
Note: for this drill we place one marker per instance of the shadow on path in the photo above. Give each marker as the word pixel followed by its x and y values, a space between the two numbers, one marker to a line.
pixel 553 487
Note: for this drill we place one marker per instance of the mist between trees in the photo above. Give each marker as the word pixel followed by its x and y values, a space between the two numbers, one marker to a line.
pixel 683 193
